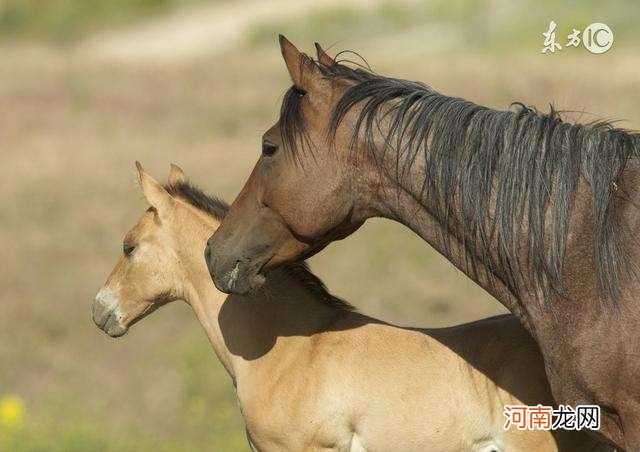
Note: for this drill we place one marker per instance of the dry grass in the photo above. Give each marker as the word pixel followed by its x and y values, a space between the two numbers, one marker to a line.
pixel 70 131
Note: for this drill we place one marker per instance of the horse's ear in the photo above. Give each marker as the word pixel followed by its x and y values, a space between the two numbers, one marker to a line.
pixel 176 175
pixel 154 193
pixel 304 73
pixel 323 57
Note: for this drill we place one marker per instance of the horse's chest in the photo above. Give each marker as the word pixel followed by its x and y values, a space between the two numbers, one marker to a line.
pixel 289 418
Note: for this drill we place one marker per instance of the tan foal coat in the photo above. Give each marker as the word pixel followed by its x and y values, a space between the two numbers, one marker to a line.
pixel 310 373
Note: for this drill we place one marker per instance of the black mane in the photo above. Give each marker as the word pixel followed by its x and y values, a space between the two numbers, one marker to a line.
pixel 211 205
pixel 218 209
pixel 530 162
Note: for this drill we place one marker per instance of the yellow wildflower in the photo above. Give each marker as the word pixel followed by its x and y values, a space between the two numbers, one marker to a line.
pixel 11 412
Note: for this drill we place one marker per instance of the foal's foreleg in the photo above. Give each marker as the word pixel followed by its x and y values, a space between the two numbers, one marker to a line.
pixel 249 440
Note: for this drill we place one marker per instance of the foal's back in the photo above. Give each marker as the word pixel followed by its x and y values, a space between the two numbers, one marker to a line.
pixel 364 384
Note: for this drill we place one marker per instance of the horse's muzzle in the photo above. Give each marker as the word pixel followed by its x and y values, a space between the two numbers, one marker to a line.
pixel 106 319
pixel 237 276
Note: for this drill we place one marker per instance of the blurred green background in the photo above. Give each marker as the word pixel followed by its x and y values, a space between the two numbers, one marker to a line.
pixel 89 86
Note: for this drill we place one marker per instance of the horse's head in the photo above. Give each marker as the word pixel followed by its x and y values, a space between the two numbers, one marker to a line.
pixel 164 245
pixel 304 191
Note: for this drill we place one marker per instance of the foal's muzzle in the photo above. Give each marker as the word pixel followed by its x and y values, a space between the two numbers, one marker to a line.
pixel 105 317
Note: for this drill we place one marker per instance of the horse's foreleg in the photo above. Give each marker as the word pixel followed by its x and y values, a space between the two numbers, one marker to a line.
pixel 253 448
pixel 631 428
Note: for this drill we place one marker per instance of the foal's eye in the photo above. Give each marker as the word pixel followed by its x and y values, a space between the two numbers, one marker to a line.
pixel 127 249
pixel 269 149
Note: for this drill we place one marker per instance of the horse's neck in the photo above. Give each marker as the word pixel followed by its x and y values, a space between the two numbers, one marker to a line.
pixel 400 201
pixel 252 334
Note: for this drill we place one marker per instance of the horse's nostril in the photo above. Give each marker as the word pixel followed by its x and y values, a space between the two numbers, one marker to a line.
pixel 98 313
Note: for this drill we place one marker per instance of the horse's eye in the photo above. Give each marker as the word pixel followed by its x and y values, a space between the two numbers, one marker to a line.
pixel 127 249
pixel 269 149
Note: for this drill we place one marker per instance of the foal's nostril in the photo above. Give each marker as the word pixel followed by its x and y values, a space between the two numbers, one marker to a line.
pixel 98 313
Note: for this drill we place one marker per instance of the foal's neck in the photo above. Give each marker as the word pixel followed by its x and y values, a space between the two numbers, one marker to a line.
pixel 248 332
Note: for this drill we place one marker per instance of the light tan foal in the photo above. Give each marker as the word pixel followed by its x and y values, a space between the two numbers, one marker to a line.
pixel 310 373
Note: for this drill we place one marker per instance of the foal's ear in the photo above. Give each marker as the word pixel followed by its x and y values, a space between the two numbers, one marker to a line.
pixel 304 73
pixel 176 175
pixel 323 57
pixel 154 193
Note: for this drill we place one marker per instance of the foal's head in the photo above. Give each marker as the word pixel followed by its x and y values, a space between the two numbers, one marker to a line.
pixel 305 190
pixel 157 253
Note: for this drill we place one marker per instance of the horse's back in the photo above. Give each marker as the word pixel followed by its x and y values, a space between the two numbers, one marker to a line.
pixel 447 387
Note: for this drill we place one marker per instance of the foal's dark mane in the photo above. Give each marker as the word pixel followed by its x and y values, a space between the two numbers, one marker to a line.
pixel 188 192
pixel 217 208
pixel 530 162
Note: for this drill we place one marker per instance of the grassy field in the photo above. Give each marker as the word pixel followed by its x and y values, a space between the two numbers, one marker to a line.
pixel 70 130
pixel 65 20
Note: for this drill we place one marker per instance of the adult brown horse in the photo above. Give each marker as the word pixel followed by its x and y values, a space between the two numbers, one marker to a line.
pixel 537 211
